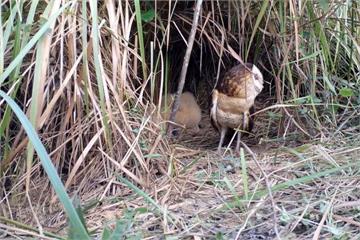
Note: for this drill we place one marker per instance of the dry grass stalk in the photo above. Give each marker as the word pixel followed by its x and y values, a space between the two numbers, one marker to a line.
pixel 190 44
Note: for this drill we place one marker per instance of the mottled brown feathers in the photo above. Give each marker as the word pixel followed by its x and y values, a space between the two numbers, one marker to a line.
pixel 233 100
pixel 233 83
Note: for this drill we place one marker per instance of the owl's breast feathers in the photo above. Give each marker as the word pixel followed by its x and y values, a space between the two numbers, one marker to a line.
pixel 235 95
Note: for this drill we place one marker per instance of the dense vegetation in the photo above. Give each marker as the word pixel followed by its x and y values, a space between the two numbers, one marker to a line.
pixel 79 86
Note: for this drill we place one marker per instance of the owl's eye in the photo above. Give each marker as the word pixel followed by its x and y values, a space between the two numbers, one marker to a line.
pixel 257 77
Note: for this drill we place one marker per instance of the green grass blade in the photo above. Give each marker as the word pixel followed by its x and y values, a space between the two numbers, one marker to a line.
pixel 4 124
pixel 8 30
pixel 141 37
pixel 48 166
pixel 73 232
pixel 106 233
pixel 320 34
pixel 98 69
pixel 256 26
pixel 37 95
pixel 230 186
pixel 84 41
pixel 123 225
pixel 291 183
pixel 2 47
pixel 44 28
pixel 28 227
pixel 16 49
pixel 244 174
pixel 146 197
